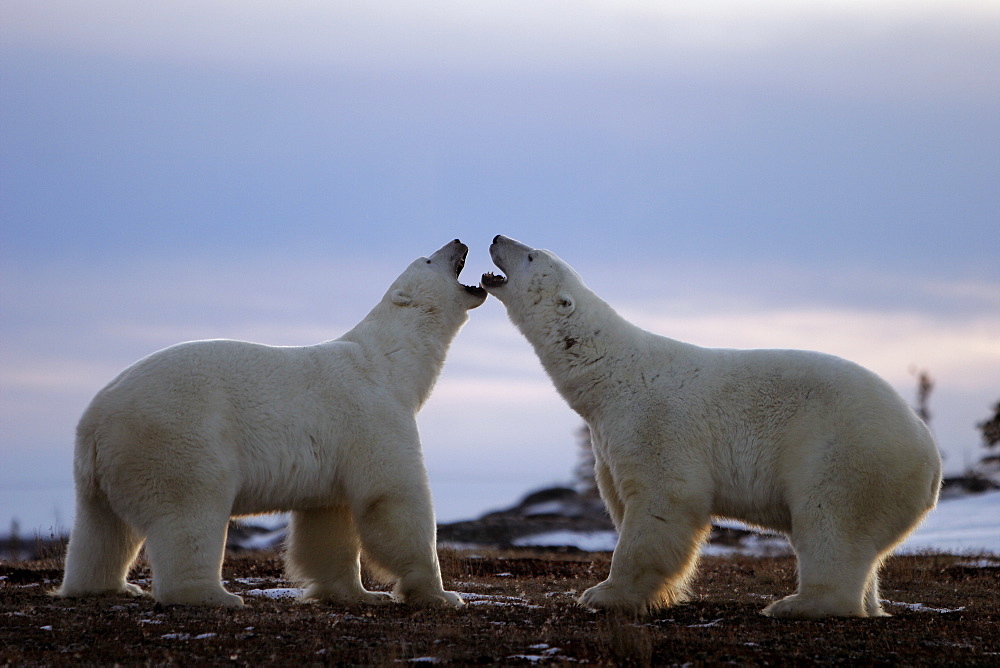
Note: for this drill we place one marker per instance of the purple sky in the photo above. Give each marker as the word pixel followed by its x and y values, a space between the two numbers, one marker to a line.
pixel 816 175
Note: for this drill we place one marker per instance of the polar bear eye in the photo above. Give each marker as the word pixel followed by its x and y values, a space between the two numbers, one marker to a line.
pixel 531 257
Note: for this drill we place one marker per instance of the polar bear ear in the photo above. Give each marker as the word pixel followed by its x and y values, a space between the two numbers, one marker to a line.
pixel 564 303
pixel 401 298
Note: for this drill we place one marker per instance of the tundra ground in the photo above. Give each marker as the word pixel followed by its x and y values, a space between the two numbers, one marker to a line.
pixel 520 609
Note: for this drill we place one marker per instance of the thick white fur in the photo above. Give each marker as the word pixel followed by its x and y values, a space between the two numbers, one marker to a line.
pixel 196 433
pixel 799 442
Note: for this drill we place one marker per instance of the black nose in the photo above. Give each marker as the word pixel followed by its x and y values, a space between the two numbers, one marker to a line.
pixel 496 238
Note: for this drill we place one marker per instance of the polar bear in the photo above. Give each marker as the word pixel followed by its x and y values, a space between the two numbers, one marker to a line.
pixel 194 434
pixel 799 442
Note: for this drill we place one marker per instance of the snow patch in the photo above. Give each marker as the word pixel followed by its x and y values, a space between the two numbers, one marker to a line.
pixel 588 541
pixel 714 622
pixel 920 607
pixel 546 508
pixel 545 652
pixel 276 593
pixel 490 599
pixel 980 563
pixel 753 545
pixel 961 525
pixel 187 636
pixel 263 541
pixel 272 521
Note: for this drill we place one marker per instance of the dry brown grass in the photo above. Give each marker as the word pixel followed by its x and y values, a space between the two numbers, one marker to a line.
pixel 522 612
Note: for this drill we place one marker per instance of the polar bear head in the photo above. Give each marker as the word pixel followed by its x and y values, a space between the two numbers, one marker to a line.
pixel 544 297
pixel 430 283
pixel 536 276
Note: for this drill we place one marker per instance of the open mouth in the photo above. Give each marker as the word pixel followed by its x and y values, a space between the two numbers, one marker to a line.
pixel 471 289
pixel 491 280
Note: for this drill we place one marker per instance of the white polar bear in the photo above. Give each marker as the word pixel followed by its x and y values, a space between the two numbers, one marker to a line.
pixel 800 442
pixel 198 432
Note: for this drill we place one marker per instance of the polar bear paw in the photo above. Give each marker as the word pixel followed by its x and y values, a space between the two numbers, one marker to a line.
pixel 374 597
pixel 126 588
pixel 133 590
pixel 606 596
pixel 317 592
pixel 219 598
pixel 440 599
pixel 797 606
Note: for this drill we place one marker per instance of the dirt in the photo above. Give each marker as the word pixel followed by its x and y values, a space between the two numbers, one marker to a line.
pixel 521 611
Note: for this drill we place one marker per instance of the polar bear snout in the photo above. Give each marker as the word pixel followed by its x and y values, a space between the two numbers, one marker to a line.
pixel 452 256
pixel 505 246
pixel 505 253
pixel 489 279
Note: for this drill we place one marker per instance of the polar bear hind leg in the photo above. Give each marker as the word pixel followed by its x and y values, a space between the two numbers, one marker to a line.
pixel 841 549
pixel 873 604
pixel 838 572
pixel 830 584
pixel 101 551
pixel 324 555
pixel 185 550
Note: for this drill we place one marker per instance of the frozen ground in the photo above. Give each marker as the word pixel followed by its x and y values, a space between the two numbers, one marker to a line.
pixel 520 608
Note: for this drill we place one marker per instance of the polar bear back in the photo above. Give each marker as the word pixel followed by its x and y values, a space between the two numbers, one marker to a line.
pixel 767 425
pixel 185 384
pixel 271 421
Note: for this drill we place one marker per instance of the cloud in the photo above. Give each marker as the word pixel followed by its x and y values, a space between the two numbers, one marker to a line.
pixel 818 45
pixel 966 350
pixel 858 131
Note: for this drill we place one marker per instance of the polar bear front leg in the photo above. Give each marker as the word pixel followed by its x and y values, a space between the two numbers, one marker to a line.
pixel 324 555
pixel 398 533
pixel 656 555
pixel 606 487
